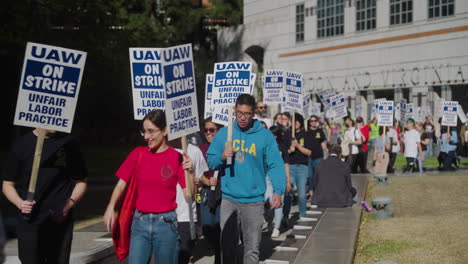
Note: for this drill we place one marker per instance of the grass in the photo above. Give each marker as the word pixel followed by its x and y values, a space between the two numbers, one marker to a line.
pixel 429 225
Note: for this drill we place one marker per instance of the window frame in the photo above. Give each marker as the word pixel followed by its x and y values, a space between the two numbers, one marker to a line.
pixel 366 20
pixel 440 11
pixel 328 22
pixel 400 13
pixel 299 35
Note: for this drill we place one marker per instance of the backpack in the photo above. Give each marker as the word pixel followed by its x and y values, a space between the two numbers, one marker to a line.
pixel 345 149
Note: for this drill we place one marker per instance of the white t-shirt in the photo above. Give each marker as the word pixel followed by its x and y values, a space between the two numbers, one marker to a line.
pixel 353 134
pixel 266 120
pixel 393 134
pixel 412 138
pixel 199 167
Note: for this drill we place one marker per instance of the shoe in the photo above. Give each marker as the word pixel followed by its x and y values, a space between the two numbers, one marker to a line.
pixel 285 222
pixel 275 233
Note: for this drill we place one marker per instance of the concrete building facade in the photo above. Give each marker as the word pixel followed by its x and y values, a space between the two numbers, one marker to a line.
pixel 368 49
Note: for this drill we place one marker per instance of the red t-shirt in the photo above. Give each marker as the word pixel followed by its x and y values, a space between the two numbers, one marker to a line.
pixel 158 176
pixel 365 134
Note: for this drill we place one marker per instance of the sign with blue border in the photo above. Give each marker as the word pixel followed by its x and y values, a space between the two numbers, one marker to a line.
pixel 231 80
pixel 147 81
pixel 293 91
pixel 450 113
pixel 273 83
pixel 49 87
pixel 385 113
pixel 180 91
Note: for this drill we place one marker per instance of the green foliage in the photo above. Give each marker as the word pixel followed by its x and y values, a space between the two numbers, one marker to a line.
pixel 105 29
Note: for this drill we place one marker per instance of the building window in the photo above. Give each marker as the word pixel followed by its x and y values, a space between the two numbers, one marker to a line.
pixel 300 23
pixel 330 18
pixel 365 14
pixel 401 12
pixel 441 8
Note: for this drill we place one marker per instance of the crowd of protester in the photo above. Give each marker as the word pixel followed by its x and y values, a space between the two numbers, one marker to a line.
pixel 235 191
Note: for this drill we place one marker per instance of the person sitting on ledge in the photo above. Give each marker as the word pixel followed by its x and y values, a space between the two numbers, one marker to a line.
pixel 332 181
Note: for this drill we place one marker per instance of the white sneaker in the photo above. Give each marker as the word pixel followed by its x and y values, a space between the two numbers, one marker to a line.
pixel 275 233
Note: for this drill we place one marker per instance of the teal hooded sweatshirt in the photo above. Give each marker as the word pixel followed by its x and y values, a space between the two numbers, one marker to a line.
pixel 256 154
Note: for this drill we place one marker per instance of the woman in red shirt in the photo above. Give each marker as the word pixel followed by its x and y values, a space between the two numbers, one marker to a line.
pixel 157 168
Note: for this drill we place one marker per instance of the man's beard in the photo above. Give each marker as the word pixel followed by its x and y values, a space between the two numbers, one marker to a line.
pixel 262 114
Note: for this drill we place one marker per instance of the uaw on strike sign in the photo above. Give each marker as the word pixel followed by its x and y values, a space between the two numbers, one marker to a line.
pixel 181 109
pixel 49 87
pixel 147 80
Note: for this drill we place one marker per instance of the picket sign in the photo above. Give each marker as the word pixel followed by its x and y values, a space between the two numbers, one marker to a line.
pixel 273 83
pixel 231 80
pixel 449 113
pixel 47 95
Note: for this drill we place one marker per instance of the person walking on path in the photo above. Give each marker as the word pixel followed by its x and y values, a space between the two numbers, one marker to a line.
pixel 61 183
pixel 425 142
pixel 153 172
pixel 429 129
pixel 210 205
pixel 278 133
pixel 299 152
pixel 363 155
pixel 261 113
pixel 318 147
pixel 374 133
pixel 395 146
pixel 412 141
pixel 381 148
pixel 254 154
pixel 187 244
pixel 354 137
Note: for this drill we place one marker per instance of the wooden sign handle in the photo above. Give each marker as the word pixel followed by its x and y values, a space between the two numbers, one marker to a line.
pixel 190 191
pixel 35 167
pixel 293 125
pixel 229 135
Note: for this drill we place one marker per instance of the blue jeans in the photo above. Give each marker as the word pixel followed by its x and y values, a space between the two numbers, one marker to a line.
pixel 154 234
pixel 312 164
pixel 299 174
pixel 268 195
pixel 430 151
pixel 421 163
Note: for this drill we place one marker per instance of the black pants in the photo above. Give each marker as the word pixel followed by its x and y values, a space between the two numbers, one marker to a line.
pixel 391 162
pixel 48 242
pixel 412 165
pixel 212 234
pixel 186 243
pixel 351 161
pixel 361 162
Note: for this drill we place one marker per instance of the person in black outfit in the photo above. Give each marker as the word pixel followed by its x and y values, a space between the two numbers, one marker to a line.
pixel 61 182
pixel 318 146
pixel 299 151
pixel 332 185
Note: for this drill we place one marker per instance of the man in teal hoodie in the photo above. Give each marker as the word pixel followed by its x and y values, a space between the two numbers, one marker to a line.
pixel 254 153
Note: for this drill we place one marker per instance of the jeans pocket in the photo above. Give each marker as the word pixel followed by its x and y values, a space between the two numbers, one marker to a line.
pixel 137 215
pixel 171 221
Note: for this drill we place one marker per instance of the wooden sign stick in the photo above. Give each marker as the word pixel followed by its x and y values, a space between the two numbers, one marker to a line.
pixel 293 125
pixel 190 191
pixel 229 135
pixel 35 168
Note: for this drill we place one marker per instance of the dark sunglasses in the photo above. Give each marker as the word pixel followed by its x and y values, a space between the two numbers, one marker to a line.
pixel 313 120
pixel 212 130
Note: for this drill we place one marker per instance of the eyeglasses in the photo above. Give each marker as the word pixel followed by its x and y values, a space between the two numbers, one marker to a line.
pixel 211 130
pixel 261 107
pixel 313 120
pixel 151 132
pixel 246 114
